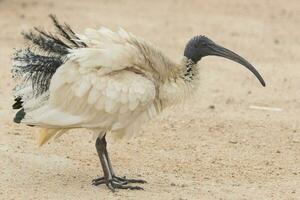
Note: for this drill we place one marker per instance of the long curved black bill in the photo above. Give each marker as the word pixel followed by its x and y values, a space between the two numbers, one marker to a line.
pixel 226 53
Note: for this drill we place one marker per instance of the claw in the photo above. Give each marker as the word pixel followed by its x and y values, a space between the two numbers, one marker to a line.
pixel 99 181
pixel 110 186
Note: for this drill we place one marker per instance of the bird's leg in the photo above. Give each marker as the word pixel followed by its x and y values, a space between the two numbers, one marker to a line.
pixel 107 157
pixel 113 174
pixel 110 179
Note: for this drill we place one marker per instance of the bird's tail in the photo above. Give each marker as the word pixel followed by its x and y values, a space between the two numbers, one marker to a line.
pixel 46 134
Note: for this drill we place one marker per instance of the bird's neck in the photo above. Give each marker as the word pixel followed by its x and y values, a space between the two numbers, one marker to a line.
pixel 180 84
pixel 189 70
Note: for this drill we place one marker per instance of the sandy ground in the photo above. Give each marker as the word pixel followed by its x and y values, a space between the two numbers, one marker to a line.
pixel 216 147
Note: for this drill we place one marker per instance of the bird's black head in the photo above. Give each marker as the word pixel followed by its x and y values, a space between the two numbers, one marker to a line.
pixel 200 46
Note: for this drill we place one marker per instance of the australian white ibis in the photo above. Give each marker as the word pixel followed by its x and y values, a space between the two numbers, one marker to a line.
pixel 108 82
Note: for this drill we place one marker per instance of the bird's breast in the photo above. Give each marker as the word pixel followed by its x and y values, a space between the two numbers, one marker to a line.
pixel 174 92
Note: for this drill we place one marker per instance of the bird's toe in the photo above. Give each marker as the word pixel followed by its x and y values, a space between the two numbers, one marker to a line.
pixel 130 180
pixel 118 183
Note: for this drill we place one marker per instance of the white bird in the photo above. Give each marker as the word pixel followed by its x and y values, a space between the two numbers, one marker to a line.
pixel 108 82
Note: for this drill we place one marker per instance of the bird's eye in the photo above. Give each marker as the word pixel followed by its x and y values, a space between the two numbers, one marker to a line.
pixel 203 44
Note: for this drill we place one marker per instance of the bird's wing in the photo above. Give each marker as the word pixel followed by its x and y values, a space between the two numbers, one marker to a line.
pixel 118 50
pixel 98 86
pixel 84 97
pixel 107 51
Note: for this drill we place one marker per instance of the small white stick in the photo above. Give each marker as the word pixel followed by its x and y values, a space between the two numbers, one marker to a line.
pixel 266 108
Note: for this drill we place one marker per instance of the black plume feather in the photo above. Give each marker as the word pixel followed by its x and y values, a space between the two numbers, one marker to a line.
pixel 37 63
pixel 44 55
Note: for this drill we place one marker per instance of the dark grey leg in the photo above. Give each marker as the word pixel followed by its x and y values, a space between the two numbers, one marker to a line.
pixel 109 178
pixel 107 157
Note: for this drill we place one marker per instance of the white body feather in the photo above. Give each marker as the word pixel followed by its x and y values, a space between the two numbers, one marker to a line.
pixel 114 85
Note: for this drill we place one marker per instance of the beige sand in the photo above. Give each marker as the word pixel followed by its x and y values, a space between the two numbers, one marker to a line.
pixel 214 148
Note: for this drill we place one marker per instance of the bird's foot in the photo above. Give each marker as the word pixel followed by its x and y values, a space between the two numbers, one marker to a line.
pixel 118 183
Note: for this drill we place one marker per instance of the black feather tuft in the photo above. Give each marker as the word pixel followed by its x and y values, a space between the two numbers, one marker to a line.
pixel 45 55
pixel 18 103
pixel 46 42
pixel 19 116
pixel 37 63
pixel 38 69
pixel 66 32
